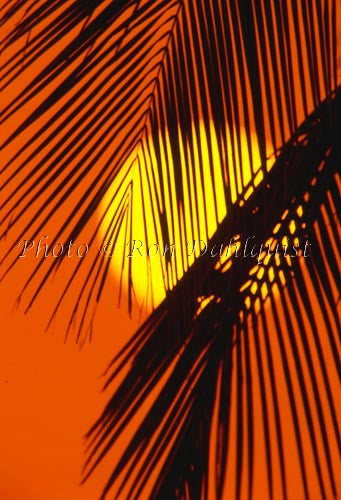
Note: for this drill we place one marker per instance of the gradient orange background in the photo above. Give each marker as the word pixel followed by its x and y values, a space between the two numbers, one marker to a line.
pixel 50 392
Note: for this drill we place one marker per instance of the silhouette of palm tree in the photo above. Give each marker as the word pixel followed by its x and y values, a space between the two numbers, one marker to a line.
pixel 184 93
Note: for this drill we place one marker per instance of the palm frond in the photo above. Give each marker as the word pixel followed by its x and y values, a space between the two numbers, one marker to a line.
pixel 188 102
pixel 198 115
pixel 185 359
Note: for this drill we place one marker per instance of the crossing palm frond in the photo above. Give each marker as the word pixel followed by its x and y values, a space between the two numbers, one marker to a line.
pixel 190 100
pixel 207 119
pixel 188 353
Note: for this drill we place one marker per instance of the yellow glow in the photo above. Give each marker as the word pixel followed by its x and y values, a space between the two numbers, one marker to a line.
pixel 140 190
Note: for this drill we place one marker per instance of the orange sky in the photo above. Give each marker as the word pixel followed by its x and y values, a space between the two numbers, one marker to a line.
pixel 50 390
pixel 49 397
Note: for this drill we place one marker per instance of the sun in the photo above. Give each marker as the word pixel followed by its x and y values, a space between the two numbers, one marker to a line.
pixel 143 200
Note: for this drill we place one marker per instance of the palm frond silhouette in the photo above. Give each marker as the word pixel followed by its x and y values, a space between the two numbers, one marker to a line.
pixel 214 119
